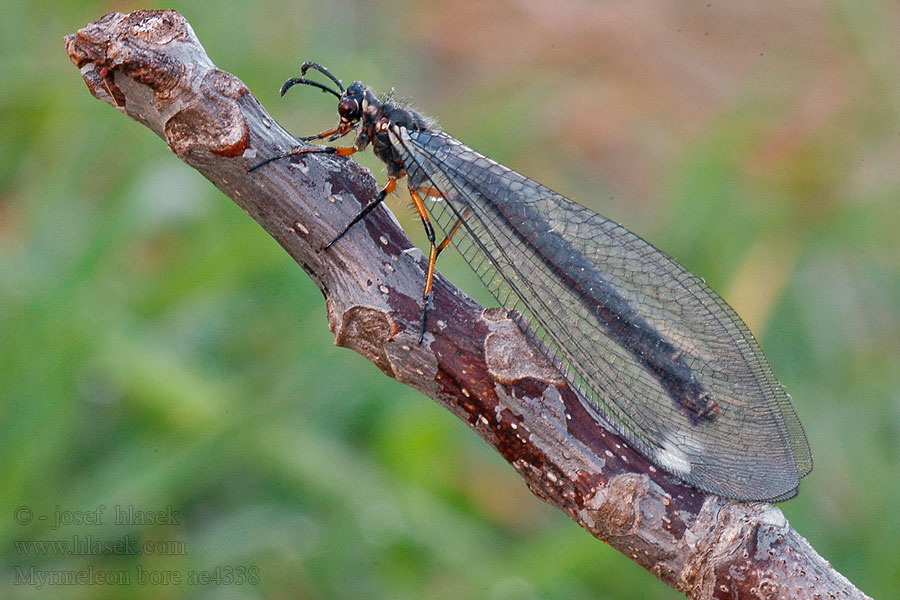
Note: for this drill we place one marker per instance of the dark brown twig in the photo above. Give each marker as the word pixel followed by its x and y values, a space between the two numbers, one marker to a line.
pixel 474 361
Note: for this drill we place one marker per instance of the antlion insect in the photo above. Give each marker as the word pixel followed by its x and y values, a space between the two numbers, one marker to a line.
pixel 653 350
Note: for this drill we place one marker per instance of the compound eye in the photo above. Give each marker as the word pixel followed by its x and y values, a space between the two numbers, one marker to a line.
pixel 348 108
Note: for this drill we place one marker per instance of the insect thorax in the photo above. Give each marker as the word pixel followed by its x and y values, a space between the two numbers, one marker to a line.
pixel 375 129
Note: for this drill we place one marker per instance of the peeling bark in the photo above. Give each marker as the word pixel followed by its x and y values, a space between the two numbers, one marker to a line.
pixel 474 361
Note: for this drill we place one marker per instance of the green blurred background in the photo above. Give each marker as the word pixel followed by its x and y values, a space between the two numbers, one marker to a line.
pixel 158 349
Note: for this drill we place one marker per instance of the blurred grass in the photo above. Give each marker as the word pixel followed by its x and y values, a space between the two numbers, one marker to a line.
pixel 158 349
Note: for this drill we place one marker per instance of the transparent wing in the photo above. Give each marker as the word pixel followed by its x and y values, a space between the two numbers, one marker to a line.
pixel 664 359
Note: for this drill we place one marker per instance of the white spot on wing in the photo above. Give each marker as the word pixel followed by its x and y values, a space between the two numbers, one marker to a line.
pixel 671 458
